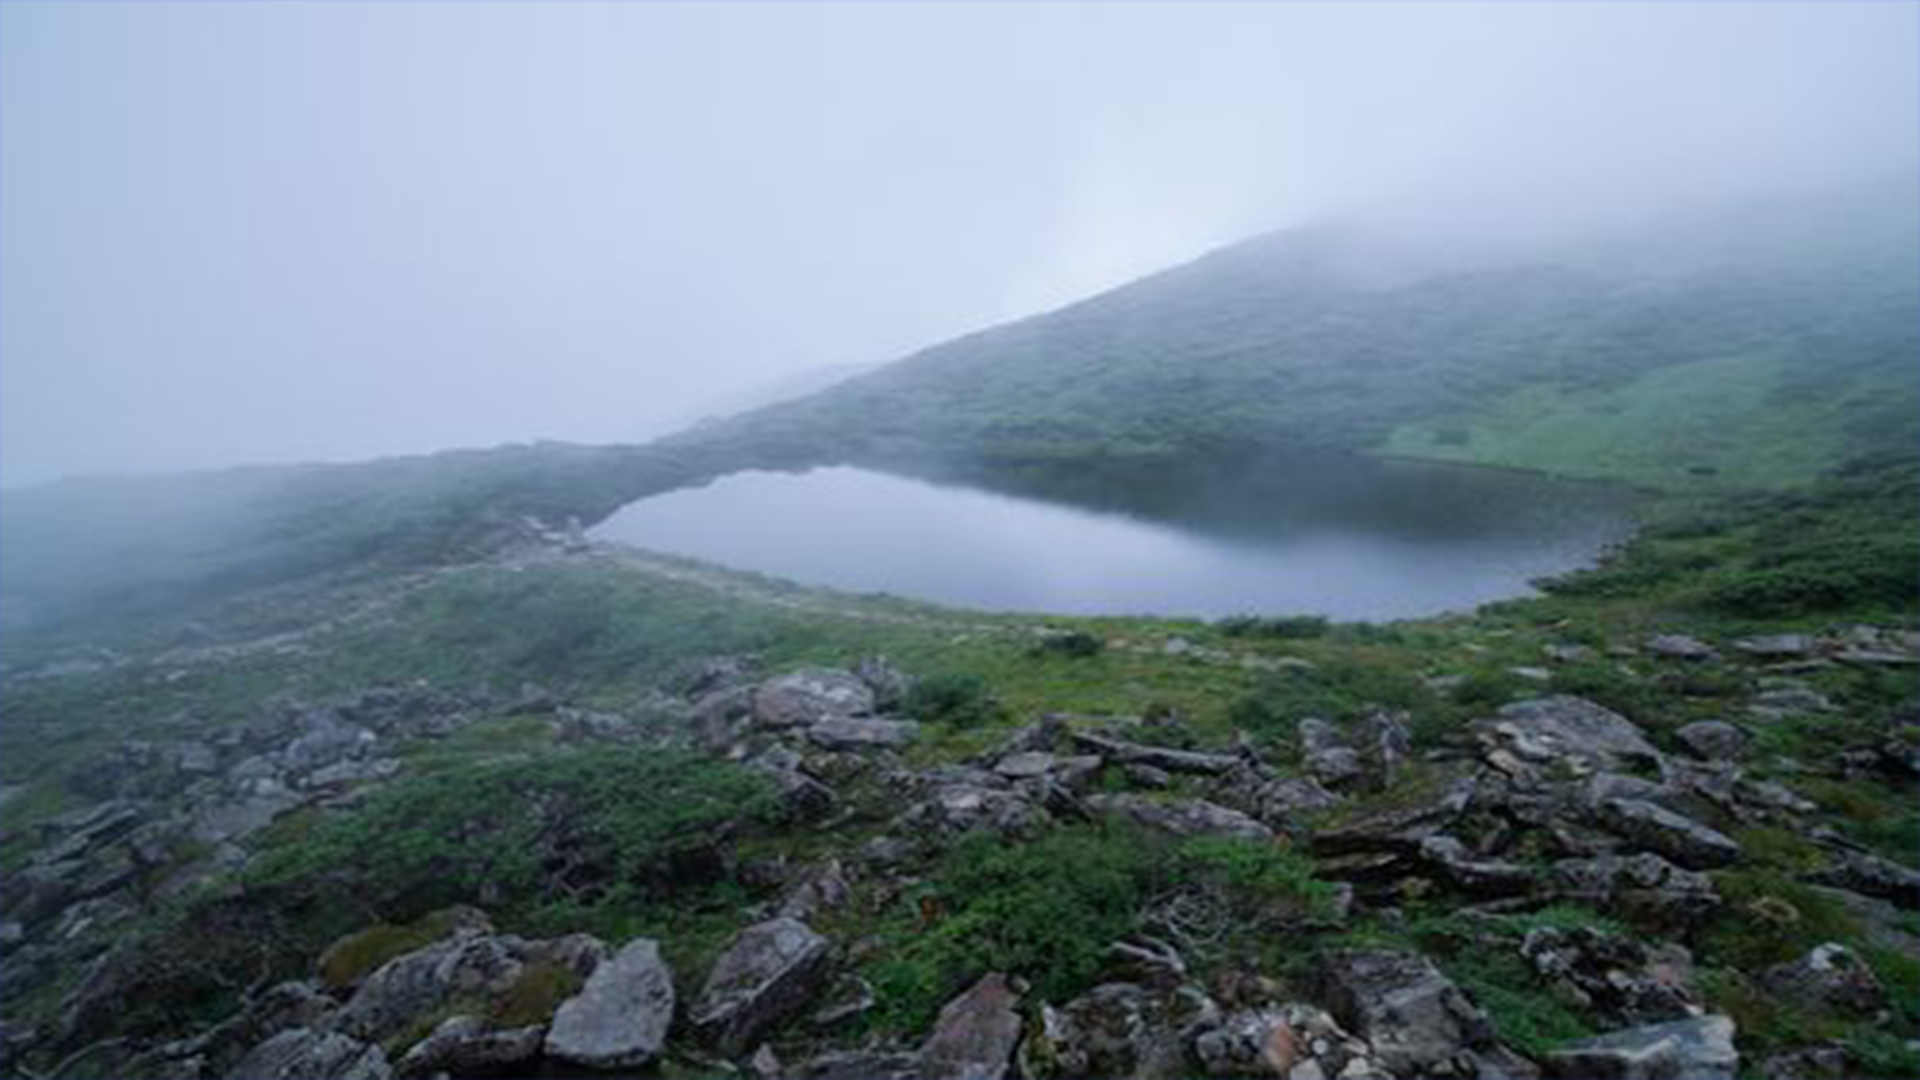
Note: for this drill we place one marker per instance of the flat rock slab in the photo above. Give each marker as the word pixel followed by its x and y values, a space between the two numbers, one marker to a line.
pixel 1180 817
pixel 976 1033
pixel 1697 1049
pixel 771 971
pixel 619 1019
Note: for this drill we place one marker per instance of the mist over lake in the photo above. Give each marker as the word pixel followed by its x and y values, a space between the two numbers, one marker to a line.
pixel 1353 540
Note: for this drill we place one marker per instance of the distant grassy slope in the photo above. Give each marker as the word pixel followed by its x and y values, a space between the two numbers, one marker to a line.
pixel 1653 361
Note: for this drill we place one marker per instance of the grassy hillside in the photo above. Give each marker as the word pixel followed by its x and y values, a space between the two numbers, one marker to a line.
pixel 1633 363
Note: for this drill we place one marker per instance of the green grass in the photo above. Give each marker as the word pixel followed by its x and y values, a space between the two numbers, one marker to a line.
pixel 1737 421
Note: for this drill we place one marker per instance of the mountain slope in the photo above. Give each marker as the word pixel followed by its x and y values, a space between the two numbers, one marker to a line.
pixel 1322 339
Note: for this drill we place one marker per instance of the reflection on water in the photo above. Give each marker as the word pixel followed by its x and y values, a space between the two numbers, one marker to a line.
pixel 1340 537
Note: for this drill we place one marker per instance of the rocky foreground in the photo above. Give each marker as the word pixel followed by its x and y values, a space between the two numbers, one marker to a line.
pixel 1549 804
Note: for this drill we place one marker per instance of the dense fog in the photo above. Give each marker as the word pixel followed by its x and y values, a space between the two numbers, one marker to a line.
pixel 235 233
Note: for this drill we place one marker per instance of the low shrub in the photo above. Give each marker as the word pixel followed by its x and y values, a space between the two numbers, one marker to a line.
pixel 958 700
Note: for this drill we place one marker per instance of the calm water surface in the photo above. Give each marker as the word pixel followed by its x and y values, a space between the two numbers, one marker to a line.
pixel 1349 539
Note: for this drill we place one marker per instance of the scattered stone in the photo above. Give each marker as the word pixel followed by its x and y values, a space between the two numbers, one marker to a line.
pixel 957 809
pixel 1712 740
pixel 468 1045
pixel 1697 1049
pixel 307 1054
pixel 1616 977
pixel 619 1019
pixel 1569 730
pixel 1118 1029
pixel 1680 838
pixel 1788 698
pixel 1295 1041
pixel 1871 875
pixel 1142 775
pixel 1680 647
pixel 1829 977
pixel 769 973
pixel 1416 1021
pixel 851 733
pixel 805 697
pixel 1160 757
pixel 407 987
pixel 1478 877
pixel 1568 654
pixel 1328 759
pixel 1824 1062
pixel 976 1033
pixel 1638 886
pixel 822 889
pixel 1876 658
pixel 889 684
pixel 1180 817
pixel 1776 646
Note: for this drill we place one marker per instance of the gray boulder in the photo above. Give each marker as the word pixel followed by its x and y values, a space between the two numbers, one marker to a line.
pixel 1414 1019
pixel 1830 976
pixel 1655 828
pixel 1697 1049
pixel 466 1045
pixel 1613 976
pixel 619 1019
pixel 957 809
pixel 1643 886
pixel 1712 740
pixel 1160 757
pixel 822 888
pixel 889 684
pixel 1871 875
pixel 408 987
pixel 1679 647
pixel 1179 817
pixel 806 697
pixel 1776 646
pixel 976 1033
pixel 1566 730
pixel 1118 1030
pixel 770 972
pixel 307 1054
pixel 857 733
pixel 1293 1040
pixel 1327 758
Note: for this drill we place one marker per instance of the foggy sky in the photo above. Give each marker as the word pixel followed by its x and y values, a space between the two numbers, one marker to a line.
pixel 262 232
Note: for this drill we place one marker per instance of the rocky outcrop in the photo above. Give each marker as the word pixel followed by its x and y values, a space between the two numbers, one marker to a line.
pixel 1293 1040
pixel 1829 978
pixel 856 733
pixel 308 1054
pixel 469 1046
pixel 975 1035
pixel 1567 731
pixel 619 1019
pixel 1414 1019
pixel 1159 757
pixel 1680 647
pixel 1643 886
pixel 957 809
pixel 1696 1049
pixel 1871 875
pixel 1651 827
pixel 769 973
pixel 806 697
pixel 1712 740
pixel 1118 1030
pixel 1614 977
pixel 1179 817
